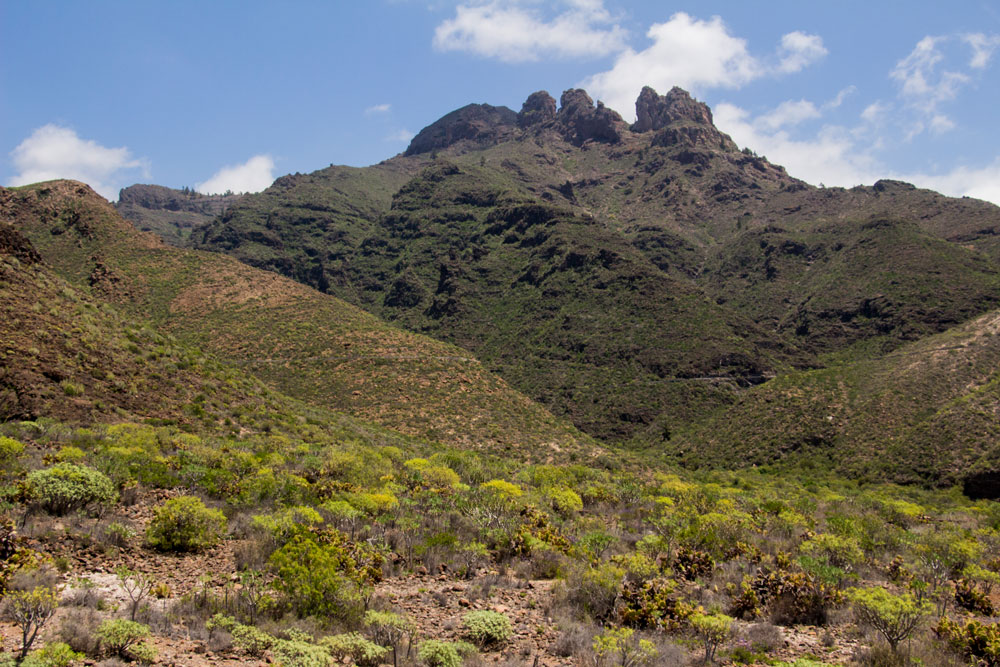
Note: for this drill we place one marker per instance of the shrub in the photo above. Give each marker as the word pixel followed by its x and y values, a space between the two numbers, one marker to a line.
pixel 652 604
pixel 487 628
pixel 126 639
pixel 185 524
pixel 363 652
pixel 895 617
pixel 10 452
pixel 977 641
pixel 435 653
pixel 595 589
pixel 565 501
pixel 56 654
pixel 299 651
pixel 316 577
pixel 67 486
pixel 618 646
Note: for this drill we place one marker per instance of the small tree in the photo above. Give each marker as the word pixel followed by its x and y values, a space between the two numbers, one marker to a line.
pixel 31 610
pixel 137 586
pixel 618 647
pixel 713 629
pixel 895 617
pixel 389 629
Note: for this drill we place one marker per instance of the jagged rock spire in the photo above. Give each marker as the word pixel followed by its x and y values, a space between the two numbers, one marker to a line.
pixel 654 112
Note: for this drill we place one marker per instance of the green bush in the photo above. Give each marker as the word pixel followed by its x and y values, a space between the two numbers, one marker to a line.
pixel 435 653
pixel 66 486
pixel 56 654
pixel 487 628
pixel 299 651
pixel 126 639
pixel 363 652
pixel 185 524
pixel 315 577
pixel 618 646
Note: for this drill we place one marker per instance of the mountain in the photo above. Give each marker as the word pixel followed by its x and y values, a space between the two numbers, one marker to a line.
pixel 308 345
pixel 170 213
pixel 633 278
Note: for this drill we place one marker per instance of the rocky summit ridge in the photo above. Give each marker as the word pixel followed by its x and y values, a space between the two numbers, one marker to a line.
pixel 676 117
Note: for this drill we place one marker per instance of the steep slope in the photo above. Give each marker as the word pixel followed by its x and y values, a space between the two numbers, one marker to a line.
pixel 593 263
pixel 170 213
pixel 828 285
pixel 564 308
pixel 70 357
pixel 310 345
pixel 929 412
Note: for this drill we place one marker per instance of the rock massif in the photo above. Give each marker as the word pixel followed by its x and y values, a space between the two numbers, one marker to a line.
pixel 636 279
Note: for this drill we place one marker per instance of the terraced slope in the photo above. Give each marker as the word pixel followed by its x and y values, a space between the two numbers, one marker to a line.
pixel 307 344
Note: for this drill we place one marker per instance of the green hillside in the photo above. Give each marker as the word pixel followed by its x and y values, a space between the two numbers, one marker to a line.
pixel 306 344
pixel 925 413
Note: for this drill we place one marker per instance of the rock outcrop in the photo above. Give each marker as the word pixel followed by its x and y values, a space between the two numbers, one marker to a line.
pixel 480 124
pixel 580 121
pixel 678 119
pixel 539 108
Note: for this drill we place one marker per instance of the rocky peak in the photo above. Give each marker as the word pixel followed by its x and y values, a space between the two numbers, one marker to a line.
pixel 581 121
pixel 679 120
pixel 482 124
pixel 540 107
pixel 654 112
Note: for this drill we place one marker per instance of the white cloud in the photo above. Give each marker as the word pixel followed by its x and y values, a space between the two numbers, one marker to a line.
pixel 917 73
pixel 57 152
pixel 941 123
pixel 400 136
pixel 508 31
pixel 842 156
pixel 841 96
pixel 799 50
pixel 788 113
pixel 833 156
pixel 963 181
pixel 875 113
pixel 982 46
pixel 694 54
pixel 254 175
pixel 378 108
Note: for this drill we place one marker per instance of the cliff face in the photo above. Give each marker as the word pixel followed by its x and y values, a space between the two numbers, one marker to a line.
pixel 169 212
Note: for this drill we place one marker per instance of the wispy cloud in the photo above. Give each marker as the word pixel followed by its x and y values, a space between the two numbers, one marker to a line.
pixel 799 50
pixel 378 109
pixel 254 175
pixel 927 80
pixel 845 156
pixel 57 152
pixel 982 46
pixel 512 32
pixel 696 54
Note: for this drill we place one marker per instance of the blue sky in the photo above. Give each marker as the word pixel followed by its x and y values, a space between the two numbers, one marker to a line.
pixel 229 95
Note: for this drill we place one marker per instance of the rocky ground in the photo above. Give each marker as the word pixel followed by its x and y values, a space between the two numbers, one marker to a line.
pixel 542 637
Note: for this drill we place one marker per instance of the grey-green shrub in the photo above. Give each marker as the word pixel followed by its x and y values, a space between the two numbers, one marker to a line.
pixel 436 653
pixel 66 486
pixel 185 524
pixel 487 628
